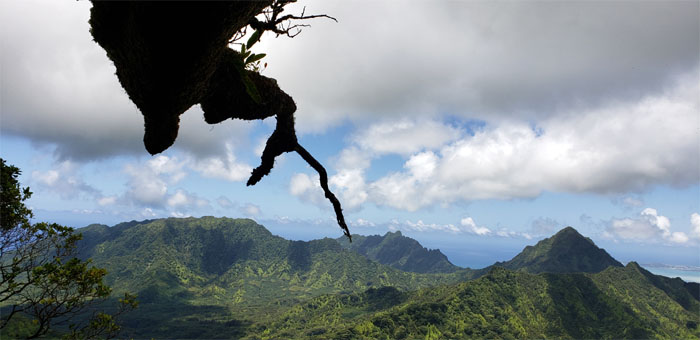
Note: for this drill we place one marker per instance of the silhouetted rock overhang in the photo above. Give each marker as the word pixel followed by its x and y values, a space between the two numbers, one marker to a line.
pixel 171 56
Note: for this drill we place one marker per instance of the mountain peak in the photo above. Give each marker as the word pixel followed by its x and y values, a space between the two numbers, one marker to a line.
pixel 400 252
pixel 567 251
pixel 570 235
pixel 634 265
pixel 567 230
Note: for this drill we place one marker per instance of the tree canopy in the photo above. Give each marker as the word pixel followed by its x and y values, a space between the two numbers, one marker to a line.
pixel 41 276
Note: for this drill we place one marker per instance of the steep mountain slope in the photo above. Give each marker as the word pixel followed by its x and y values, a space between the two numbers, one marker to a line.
pixel 231 278
pixel 565 252
pixel 400 252
pixel 679 290
pixel 201 265
pixel 615 303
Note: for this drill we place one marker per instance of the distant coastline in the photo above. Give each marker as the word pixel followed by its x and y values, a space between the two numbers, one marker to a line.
pixel 686 273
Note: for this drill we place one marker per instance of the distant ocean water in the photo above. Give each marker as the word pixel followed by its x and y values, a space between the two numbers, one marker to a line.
pixel 686 273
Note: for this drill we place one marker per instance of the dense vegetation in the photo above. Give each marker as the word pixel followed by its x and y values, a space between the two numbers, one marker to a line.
pixel 231 278
pixel 615 303
pixel 224 267
pixel 42 282
pixel 565 252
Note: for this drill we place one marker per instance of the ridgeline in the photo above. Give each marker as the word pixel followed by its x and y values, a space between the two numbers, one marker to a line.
pixel 231 278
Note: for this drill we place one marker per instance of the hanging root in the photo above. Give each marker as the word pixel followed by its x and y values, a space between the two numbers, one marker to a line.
pixel 324 184
pixel 283 140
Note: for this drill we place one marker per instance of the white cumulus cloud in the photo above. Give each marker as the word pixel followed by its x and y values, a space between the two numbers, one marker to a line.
pixel 466 225
pixel 168 166
pixel 361 222
pixel 648 226
pixel 306 188
pixel 148 183
pixel 471 226
pixel 65 180
pixel 405 136
pixel 352 187
pixel 251 210
pixel 226 167
pixel 182 199
pixel 613 149
pixel 695 225
pixel 421 226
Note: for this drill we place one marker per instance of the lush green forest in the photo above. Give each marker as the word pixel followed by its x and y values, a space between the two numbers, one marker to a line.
pixel 231 278
pixel 615 303
pixel 209 277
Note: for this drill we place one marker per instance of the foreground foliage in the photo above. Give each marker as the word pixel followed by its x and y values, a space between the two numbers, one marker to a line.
pixel 42 282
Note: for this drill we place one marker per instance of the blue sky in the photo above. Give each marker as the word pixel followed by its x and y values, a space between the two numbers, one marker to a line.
pixel 479 131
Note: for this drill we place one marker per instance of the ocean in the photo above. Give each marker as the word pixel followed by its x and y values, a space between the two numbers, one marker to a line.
pixel 686 273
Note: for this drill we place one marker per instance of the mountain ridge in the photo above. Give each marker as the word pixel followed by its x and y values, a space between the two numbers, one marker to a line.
pixel 618 302
pixel 204 277
pixel 234 264
pixel 400 252
pixel 567 251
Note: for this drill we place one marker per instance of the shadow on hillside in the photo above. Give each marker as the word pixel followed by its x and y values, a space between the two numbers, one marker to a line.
pixel 586 312
pixel 182 321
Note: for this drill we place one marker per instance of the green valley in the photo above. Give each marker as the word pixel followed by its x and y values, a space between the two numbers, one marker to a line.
pixel 227 272
pixel 231 278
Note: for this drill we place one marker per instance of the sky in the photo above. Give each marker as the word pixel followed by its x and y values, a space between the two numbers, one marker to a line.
pixel 474 127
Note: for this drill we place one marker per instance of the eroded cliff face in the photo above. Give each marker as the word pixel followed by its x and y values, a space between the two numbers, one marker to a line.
pixel 170 56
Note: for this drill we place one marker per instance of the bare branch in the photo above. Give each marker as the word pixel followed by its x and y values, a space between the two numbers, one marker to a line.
pixel 283 25
pixel 238 35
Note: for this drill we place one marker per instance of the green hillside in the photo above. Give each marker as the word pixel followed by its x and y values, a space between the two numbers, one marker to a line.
pixel 186 271
pixel 231 278
pixel 565 252
pixel 400 252
pixel 615 303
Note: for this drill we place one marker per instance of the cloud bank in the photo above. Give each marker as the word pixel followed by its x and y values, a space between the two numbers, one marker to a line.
pixel 480 60
pixel 476 60
pixel 613 149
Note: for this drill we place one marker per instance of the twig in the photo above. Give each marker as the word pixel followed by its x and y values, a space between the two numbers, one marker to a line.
pixel 277 25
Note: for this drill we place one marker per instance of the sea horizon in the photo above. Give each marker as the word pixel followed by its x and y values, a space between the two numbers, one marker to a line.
pixel 685 273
